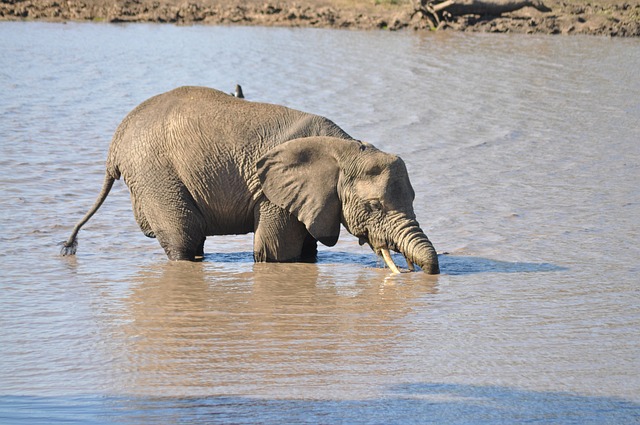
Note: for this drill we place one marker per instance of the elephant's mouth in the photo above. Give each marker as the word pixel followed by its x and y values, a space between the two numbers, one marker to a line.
pixel 382 250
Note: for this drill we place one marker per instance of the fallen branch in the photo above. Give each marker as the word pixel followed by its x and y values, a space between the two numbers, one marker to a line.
pixel 436 13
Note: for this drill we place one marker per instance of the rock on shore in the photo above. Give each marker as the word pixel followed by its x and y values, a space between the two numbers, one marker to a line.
pixel 597 17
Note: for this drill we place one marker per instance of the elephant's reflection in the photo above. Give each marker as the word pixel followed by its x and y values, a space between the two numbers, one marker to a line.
pixel 196 328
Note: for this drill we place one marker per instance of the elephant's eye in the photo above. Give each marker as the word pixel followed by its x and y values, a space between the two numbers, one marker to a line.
pixel 373 205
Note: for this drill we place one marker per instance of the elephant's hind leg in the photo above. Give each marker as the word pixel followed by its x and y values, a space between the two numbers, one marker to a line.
pixel 184 236
pixel 177 223
pixel 178 247
pixel 142 221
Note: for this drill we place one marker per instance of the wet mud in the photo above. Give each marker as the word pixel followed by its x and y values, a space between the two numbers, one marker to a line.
pixel 598 17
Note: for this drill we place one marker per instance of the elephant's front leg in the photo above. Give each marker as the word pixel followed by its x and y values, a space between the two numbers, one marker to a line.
pixel 279 236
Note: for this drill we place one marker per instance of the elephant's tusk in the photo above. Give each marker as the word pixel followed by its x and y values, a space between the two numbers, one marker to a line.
pixel 389 261
pixel 410 265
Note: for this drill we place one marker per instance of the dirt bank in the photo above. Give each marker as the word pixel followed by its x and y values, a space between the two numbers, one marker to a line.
pixel 596 17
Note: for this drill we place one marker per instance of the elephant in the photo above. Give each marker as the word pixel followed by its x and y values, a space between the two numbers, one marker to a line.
pixel 200 162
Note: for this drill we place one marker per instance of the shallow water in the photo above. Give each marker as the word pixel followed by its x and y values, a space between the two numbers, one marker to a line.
pixel 525 157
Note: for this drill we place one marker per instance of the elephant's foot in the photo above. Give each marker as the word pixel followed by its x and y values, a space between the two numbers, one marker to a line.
pixel 179 252
pixel 184 257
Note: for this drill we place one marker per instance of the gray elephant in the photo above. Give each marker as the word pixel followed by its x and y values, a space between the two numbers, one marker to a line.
pixel 199 162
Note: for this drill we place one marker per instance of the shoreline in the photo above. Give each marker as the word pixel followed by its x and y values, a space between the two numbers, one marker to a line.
pixel 614 18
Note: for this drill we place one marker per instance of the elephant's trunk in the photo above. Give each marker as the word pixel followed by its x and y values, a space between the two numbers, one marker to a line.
pixel 417 249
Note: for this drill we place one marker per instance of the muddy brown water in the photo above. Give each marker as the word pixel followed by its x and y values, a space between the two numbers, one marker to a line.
pixel 524 153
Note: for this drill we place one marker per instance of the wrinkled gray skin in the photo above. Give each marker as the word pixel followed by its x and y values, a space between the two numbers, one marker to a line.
pixel 199 162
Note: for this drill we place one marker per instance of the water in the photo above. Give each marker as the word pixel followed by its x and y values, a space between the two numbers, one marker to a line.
pixel 524 152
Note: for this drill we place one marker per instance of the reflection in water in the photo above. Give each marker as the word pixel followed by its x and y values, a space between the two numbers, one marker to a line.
pixel 198 329
pixel 428 403
pixel 461 265
pixel 450 264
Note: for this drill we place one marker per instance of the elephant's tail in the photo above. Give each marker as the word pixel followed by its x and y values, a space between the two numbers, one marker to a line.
pixel 70 245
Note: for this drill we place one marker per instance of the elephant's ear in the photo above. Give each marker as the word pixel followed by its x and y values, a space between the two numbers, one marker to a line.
pixel 301 176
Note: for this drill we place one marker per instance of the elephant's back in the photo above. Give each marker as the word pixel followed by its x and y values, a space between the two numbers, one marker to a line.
pixel 155 124
pixel 178 104
pixel 205 109
pixel 203 126
pixel 191 116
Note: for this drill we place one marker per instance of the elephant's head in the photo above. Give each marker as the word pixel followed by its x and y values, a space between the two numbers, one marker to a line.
pixel 325 181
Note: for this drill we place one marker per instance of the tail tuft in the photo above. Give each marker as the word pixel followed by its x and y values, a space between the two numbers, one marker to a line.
pixel 68 248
